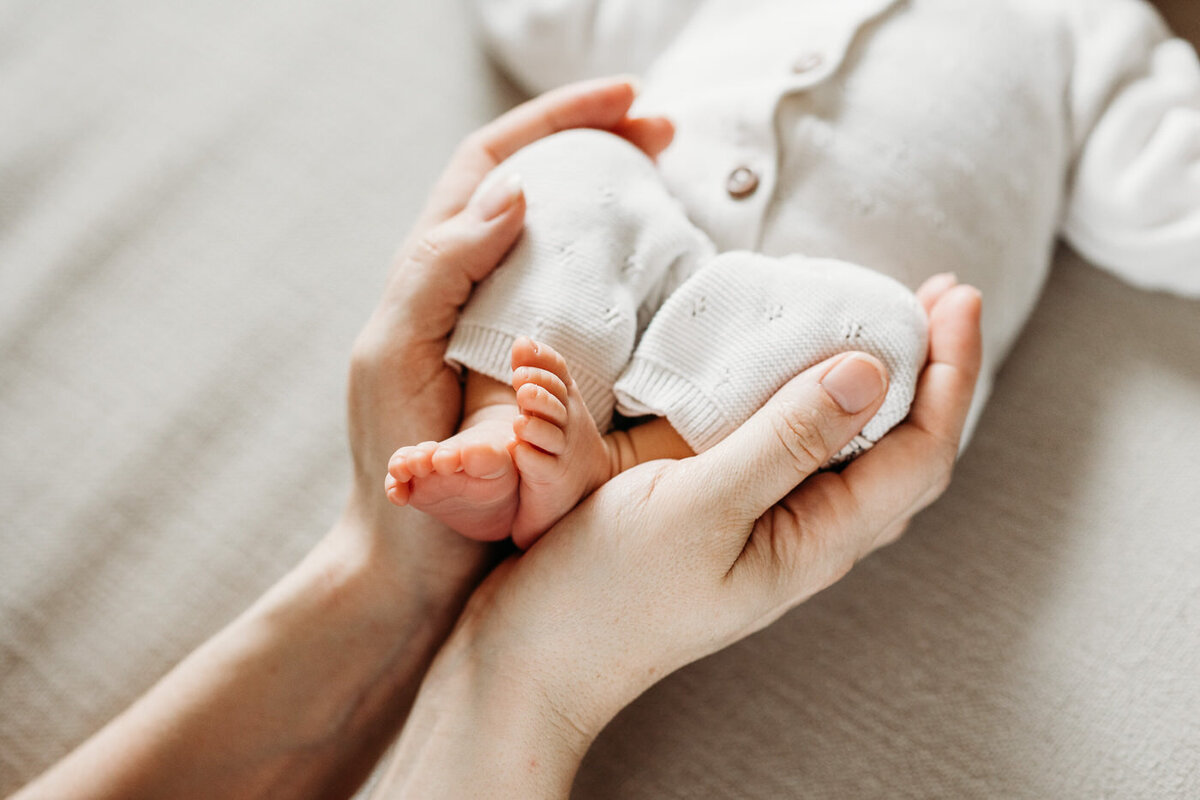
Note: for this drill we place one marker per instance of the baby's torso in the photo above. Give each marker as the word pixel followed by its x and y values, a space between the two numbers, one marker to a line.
pixel 912 137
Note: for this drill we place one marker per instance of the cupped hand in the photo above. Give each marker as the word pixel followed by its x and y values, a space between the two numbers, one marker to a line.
pixel 400 389
pixel 672 561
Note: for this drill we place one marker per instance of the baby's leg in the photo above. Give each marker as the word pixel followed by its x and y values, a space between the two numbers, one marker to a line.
pixel 602 237
pixel 744 324
pixel 558 451
pixel 649 441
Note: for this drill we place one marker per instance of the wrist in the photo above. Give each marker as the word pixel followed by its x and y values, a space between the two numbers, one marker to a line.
pixel 403 560
pixel 478 728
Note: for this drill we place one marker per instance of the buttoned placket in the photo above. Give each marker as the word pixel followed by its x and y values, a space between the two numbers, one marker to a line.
pixel 736 149
pixel 752 176
pixel 752 170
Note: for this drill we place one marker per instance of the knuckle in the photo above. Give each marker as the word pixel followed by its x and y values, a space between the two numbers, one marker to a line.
pixel 944 472
pixel 470 144
pixel 428 249
pixel 476 148
pixel 799 432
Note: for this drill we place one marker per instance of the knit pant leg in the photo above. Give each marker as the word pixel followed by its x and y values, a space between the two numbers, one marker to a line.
pixel 602 238
pixel 745 324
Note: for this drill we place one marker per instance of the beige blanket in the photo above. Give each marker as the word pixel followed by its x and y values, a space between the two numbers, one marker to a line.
pixel 197 204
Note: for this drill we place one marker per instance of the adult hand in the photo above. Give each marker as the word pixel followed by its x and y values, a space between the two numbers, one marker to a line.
pixel 299 695
pixel 672 561
pixel 400 389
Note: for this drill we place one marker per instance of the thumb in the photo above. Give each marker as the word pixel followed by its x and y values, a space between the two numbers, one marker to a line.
pixel 799 429
pixel 437 268
pixel 472 242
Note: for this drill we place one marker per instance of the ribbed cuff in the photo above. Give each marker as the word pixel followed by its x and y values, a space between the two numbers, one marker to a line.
pixel 484 350
pixel 488 351
pixel 650 388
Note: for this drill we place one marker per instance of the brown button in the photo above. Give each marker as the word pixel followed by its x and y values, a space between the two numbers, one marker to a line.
pixel 807 62
pixel 741 183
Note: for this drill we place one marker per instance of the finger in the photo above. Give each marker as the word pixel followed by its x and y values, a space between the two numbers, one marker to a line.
pixel 891 533
pixel 910 467
pixel 601 103
pixel 933 289
pixel 435 272
pixel 947 383
pixel 804 544
pixel 799 429
pixel 821 529
pixel 651 135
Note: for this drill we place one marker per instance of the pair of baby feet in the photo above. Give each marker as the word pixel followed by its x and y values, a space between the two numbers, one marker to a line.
pixel 515 467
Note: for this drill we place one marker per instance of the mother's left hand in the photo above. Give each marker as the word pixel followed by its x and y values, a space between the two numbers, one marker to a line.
pixel 400 389
pixel 299 695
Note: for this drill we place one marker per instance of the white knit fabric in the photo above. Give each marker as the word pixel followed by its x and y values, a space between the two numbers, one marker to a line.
pixel 745 324
pixel 604 243
pixel 909 137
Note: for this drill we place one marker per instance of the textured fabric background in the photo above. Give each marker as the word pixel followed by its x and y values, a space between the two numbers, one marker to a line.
pixel 197 205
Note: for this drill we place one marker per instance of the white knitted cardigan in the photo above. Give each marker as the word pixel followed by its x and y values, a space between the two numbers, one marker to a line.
pixel 910 137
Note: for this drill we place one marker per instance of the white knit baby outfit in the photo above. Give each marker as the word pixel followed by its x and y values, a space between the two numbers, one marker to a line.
pixel 604 243
pixel 908 137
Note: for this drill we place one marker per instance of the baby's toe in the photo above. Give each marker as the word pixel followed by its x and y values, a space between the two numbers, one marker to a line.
pixel 537 401
pixel 398 464
pixel 419 460
pixel 545 379
pixel 535 465
pixel 397 491
pixel 485 460
pixel 528 353
pixel 541 434
pixel 447 460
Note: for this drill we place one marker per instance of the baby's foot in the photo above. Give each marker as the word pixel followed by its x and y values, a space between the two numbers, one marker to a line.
pixel 467 481
pixel 559 453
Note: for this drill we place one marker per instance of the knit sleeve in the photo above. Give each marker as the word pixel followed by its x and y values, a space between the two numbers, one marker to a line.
pixel 546 43
pixel 1134 201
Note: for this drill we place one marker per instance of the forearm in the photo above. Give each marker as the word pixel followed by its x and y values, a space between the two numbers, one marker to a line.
pixel 297 697
pixel 478 731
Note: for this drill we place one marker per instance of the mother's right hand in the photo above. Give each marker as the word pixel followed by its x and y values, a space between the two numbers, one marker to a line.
pixel 672 561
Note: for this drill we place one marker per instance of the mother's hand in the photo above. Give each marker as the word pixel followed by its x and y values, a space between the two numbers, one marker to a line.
pixel 672 561
pixel 299 695
pixel 400 389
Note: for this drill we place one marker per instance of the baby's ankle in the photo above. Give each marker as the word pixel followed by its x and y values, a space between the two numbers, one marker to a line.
pixel 649 441
pixel 486 399
pixel 622 454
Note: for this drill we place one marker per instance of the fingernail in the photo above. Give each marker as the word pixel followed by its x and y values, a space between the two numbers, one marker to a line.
pixel 496 195
pixel 854 383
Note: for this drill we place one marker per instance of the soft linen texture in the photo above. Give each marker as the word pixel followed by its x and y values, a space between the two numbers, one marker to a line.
pixel 197 206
